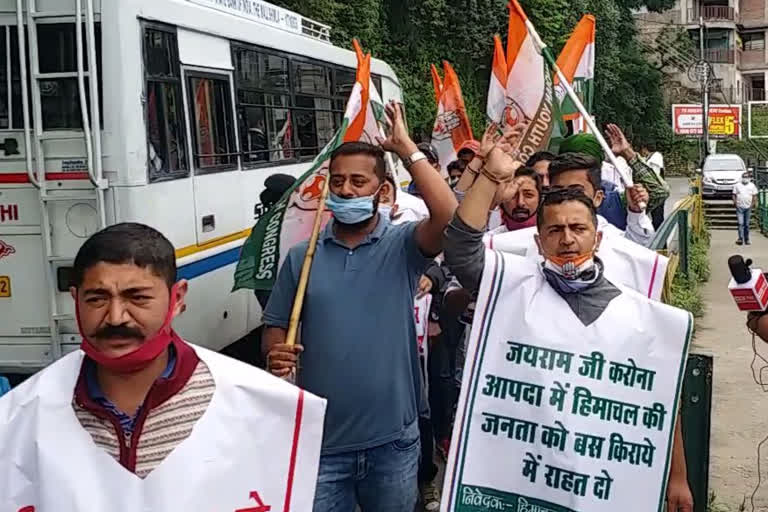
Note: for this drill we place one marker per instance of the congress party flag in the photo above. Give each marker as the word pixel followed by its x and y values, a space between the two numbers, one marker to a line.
pixel 452 126
pixel 577 62
pixel 529 88
pixel 498 86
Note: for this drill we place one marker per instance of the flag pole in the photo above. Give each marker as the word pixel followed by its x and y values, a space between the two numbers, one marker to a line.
pixel 301 289
pixel 574 97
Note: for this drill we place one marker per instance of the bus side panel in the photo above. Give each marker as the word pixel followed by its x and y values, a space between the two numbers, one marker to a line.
pixel 23 288
pixel 214 317
pixel 168 206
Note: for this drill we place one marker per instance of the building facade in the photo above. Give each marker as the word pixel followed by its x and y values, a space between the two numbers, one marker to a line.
pixel 734 44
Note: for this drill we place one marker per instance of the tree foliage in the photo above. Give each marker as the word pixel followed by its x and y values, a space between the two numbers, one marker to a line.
pixel 411 34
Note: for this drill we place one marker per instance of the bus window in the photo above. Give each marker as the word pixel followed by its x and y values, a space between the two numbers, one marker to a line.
pixel 212 130
pixel 5 72
pixel 166 144
pixel 11 112
pixel 263 107
pixel 60 97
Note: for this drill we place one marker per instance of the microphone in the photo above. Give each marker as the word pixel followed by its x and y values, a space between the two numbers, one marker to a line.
pixel 740 269
pixel 748 287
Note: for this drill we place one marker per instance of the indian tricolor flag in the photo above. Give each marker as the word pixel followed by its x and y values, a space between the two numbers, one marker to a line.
pixel 529 91
pixel 452 126
pixel 498 86
pixel 291 220
pixel 577 62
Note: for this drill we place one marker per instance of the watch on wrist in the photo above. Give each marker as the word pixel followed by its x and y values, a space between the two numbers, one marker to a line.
pixel 415 157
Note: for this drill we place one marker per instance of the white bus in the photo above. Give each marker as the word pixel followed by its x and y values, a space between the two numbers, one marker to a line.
pixel 190 106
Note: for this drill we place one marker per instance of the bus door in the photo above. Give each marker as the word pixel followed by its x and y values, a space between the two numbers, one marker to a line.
pixel 215 156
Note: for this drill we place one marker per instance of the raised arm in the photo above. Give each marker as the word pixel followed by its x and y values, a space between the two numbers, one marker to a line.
pixel 642 173
pixel 464 249
pixel 435 192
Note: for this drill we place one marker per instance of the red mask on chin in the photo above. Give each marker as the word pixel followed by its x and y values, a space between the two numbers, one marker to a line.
pixel 514 225
pixel 140 358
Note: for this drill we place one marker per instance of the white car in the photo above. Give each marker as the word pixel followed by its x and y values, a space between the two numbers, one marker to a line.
pixel 721 173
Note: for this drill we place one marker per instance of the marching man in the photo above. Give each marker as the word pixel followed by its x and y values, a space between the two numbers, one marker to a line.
pixel 141 420
pixel 572 381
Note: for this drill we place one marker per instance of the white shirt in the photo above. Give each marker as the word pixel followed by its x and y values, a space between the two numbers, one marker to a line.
pixel 744 194
pixel 656 162
pixel 617 176
pixel 409 208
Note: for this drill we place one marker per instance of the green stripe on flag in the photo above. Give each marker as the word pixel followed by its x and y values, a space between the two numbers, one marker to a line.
pixel 262 253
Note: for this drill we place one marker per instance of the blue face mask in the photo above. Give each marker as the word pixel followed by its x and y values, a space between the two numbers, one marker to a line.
pixel 351 211
pixel 385 210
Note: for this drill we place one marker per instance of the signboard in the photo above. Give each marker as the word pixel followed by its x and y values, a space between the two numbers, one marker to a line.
pixel 724 120
pixel 564 415
pixel 256 10
pixel 757 117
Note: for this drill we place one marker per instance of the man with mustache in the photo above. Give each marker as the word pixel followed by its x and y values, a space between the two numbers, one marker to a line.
pixel 520 200
pixel 118 425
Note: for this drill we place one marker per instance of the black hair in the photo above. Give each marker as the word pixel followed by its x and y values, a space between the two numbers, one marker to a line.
pixel 463 151
pixel 563 195
pixel 457 164
pixel 131 243
pixel 274 187
pixel 531 173
pixel 363 148
pixel 429 151
pixel 540 156
pixel 577 161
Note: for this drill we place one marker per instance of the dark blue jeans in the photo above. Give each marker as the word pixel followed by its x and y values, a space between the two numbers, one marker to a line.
pixel 744 214
pixel 381 479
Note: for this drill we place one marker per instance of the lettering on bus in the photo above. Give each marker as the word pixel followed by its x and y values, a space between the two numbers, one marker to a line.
pixel 257 11
pixel 9 212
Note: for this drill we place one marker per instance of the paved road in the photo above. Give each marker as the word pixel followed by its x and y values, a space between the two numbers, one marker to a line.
pixel 738 415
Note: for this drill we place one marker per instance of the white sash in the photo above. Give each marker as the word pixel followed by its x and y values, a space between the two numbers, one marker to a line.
pixel 259 440
pixel 626 262
pixel 508 451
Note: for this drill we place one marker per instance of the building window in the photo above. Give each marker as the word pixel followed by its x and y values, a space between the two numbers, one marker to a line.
pixel 288 107
pixel 60 97
pixel 753 41
pixel 166 143
pixel 212 127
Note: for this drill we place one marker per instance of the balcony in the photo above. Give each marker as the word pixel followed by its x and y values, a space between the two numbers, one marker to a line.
pixel 717 55
pixel 712 13
pixel 752 94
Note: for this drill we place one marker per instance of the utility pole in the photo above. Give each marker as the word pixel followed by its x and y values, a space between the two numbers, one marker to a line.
pixel 704 78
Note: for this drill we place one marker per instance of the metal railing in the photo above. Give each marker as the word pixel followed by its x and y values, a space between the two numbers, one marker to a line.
pixel 674 236
pixel 717 55
pixel 712 13
pixel 673 239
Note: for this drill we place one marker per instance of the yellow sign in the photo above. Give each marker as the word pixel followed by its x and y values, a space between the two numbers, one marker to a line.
pixel 5 286
pixel 722 126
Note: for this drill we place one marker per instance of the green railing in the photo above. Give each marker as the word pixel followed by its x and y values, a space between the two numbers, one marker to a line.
pixel 761 214
pixel 673 239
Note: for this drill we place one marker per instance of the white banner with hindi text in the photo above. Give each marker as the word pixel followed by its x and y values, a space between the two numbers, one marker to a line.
pixel 558 416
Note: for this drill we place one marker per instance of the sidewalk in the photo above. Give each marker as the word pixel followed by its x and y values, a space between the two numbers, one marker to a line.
pixel 739 419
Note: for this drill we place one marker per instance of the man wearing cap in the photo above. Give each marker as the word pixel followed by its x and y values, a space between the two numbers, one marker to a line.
pixel 613 208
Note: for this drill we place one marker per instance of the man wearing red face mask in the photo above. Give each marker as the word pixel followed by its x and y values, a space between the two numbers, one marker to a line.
pixel 519 200
pixel 138 409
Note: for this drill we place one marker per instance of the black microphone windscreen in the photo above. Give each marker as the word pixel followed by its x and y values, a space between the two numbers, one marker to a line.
pixel 740 269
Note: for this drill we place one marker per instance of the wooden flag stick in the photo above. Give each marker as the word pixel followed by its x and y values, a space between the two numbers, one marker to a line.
pixel 301 289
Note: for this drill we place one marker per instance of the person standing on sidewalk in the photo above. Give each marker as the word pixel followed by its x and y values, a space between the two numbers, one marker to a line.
pixel 743 198
pixel 358 331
